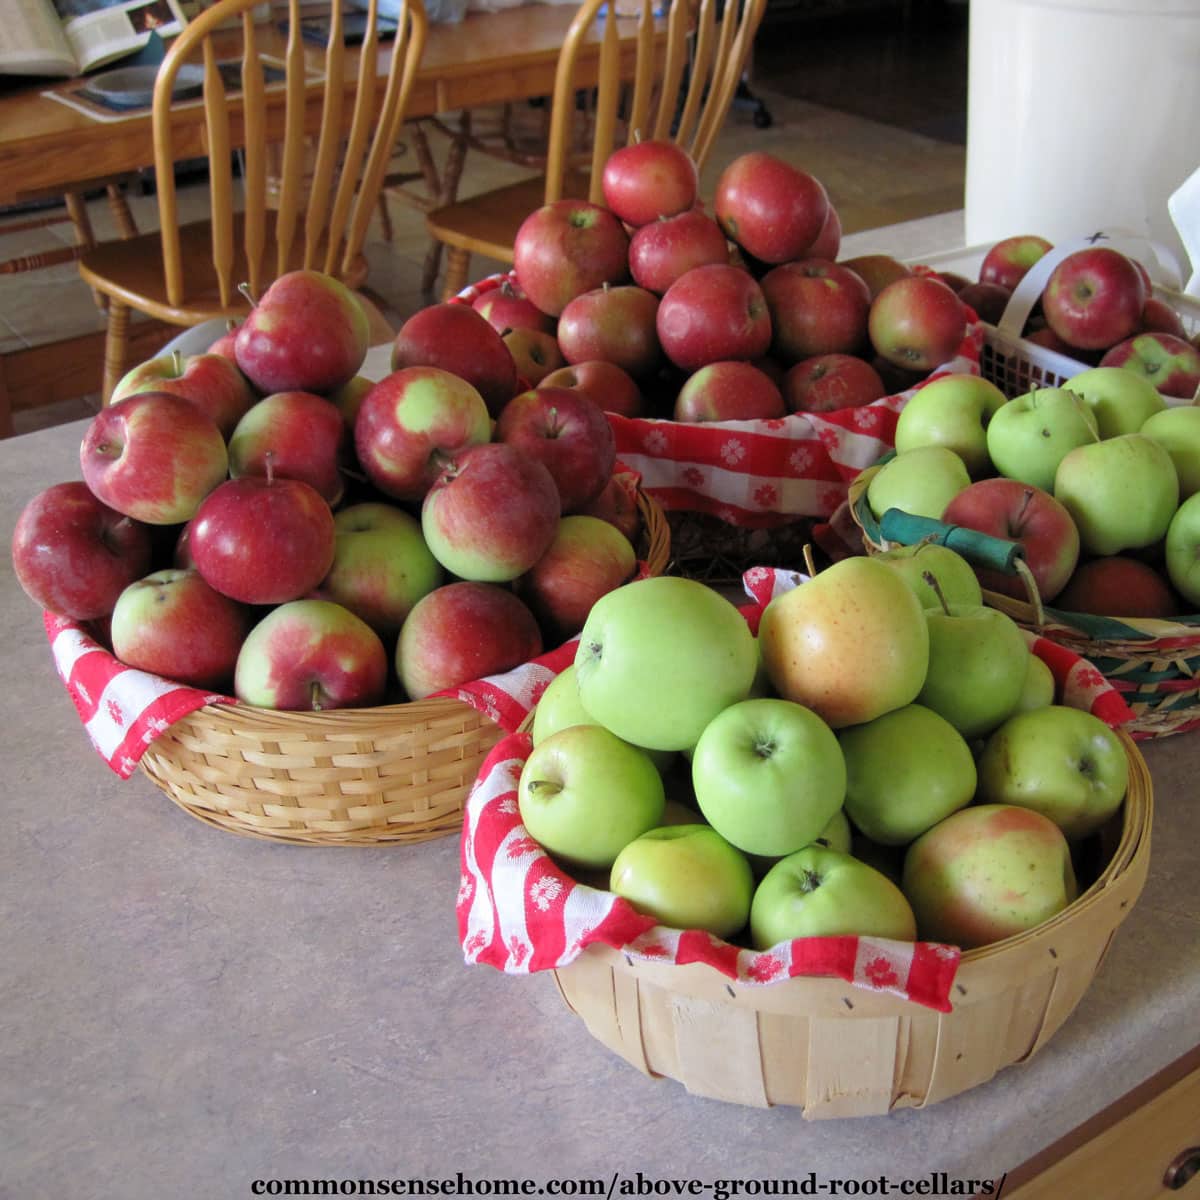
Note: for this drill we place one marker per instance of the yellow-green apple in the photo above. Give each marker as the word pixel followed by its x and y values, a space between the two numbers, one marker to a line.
pixel 731 390
pixel 816 307
pixel 615 324
pixel 463 631
pixel 1169 362
pixel 665 249
pixel 1039 688
pixel 1177 430
pixel 311 655
pixel 1121 492
pixel 1063 762
pixel 987 300
pixel 771 209
pixel 905 772
pixel 1007 260
pixel 586 560
pixel 648 180
pixel 827 382
pixel 660 657
pixel 851 644
pixel 153 457
pixel 381 565
pixel 1094 297
pixel 917 323
pixel 172 623
pixel 507 307
pixel 877 270
pixel 954 411
pixel 1158 316
pixel 584 794
pixel 1118 585
pixel 1120 400
pixel 617 504
pixel 212 382
pixel 566 248
pixel 956 578
pixel 768 775
pixel 1028 437
pixel 455 338
pixel 712 313
pixel 565 431
pixel 301 434
pixel 686 877
pixel 348 399
pixel 263 540
pixel 988 872
pixel 1020 512
pixel 1182 550
pixel 535 352
pixel 921 481
pixel 604 383
pixel 837 834
pixel 307 333
pixel 73 555
pixel 817 892
pixel 413 422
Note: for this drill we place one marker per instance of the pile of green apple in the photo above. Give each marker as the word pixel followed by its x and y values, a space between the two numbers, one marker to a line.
pixel 1098 480
pixel 883 758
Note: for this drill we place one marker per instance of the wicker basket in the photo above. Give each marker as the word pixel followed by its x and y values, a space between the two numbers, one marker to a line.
pixel 350 777
pixel 837 1051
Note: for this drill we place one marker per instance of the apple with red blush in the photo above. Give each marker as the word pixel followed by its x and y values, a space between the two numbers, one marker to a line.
pixel 1117 585
pixel 1170 363
pixel 877 270
pixel 650 179
pixel 828 382
pixel 771 209
pixel 917 322
pixel 608 386
pixel 729 391
pixel 1094 298
pixel 617 504
pixel 713 313
pixel 1007 260
pixel 615 324
pixel 535 352
pixel 816 307
pixel 507 307
pixel 1158 316
pixel 663 250
pixel 989 300
pixel 212 382
pixel 829 241
pixel 953 280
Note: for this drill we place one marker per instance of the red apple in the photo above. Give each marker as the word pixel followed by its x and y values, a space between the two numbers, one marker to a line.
pixel 917 323
pixel 1007 508
pixel 74 555
pixel 829 241
pixel 648 180
pixel 568 433
pixel 773 210
pixel 617 504
pixel 604 383
pixel 1094 298
pixel 1007 260
pixel 308 333
pixel 877 270
pixel 348 399
pixel 828 382
pixel 535 352
pixel 507 307
pixel 461 632
pixel 153 457
pixel 989 300
pixel 212 382
pixel 455 338
pixel 614 324
pixel 816 307
pixel 1159 317
pixel 713 313
pixel 226 344
pixel 671 246
pixel 1117 586
pixel 729 391
pixel 566 248
pixel 1049 340
pixel 953 280
pixel 1171 363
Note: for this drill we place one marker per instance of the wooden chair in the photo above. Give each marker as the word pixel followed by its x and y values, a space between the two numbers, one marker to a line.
pixel 185 275
pixel 684 76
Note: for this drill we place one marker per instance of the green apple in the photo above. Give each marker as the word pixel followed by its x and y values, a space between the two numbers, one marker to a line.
pixel 987 872
pixel 1121 492
pixel 851 644
pixel 1182 550
pixel 956 578
pixel 1062 762
pixel 1039 688
pixel 905 771
pixel 768 775
pixel 1028 436
pixel 952 411
pixel 584 794
pixel 978 660
pixel 1120 400
pixel 659 658
pixel 817 892
pixel 687 877
pixel 1177 430
pixel 837 834
pixel 921 481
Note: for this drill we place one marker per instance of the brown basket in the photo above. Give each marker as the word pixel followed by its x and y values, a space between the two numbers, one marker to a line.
pixel 350 777
pixel 838 1051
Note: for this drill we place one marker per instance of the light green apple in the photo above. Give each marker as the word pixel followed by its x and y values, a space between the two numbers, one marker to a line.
pixel 955 577
pixel 905 771
pixel 817 892
pixel 686 877
pixel 1182 550
pixel 921 481
pixel 768 775
pixel 1063 762
pixel 584 794
pixel 978 660
pixel 952 411
pixel 1177 430
pixel 1120 400
pixel 1039 687
pixel 1121 492
pixel 1028 436
pixel 837 834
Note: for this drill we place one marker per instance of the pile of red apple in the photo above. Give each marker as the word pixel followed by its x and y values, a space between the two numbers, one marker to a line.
pixel 1098 306
pixel 883 758
pixel 262 519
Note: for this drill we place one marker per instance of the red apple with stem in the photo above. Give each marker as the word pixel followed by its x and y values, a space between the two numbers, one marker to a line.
pixel 605 384
pixel 828 382
pixel 614 324
pixel 212 382
pixel 816 307
pixel 729 391
pixel 917 323
pixel 1170 363
pixel 663 250
pixel 773 210
pixel 647 180
pixel 535 354
pixel 1094 298
pixel 507 307
pixel 713 313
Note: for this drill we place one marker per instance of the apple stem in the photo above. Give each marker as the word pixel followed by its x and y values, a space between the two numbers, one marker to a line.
pixel 1025 499
pixel 244 288
pixel 931 579
pixel 177 361
pixel 269 466
pixel 544 787
pixel 314 695
pixel 809 880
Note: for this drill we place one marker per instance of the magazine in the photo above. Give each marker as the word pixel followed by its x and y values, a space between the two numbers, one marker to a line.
pixel 70 37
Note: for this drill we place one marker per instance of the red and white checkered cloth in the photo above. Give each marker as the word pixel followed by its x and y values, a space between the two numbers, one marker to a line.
pixel 519 912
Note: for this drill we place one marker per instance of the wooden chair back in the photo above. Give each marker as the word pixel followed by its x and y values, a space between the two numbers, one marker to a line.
pixel 322 205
